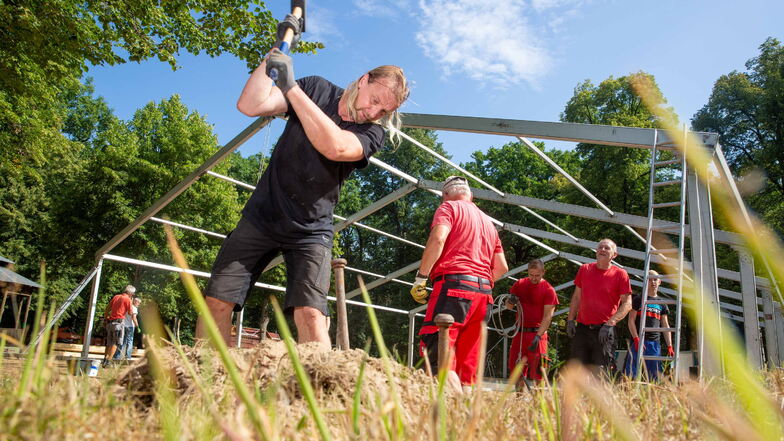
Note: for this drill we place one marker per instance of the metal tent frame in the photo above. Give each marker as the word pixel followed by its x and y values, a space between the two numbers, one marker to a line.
pixel 703 234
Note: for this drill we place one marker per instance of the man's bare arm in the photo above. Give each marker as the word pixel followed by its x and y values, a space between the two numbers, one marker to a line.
pixel 330 140
pixel 547 317
pixel 667 335
pixel 633 324
pixel 623 309
pixel 500 267
pixel 434 247
pixel 574 305
pixel 260 97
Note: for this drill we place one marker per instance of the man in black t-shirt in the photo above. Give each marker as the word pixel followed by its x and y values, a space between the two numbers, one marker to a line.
pixel 656 317
pixel 329 133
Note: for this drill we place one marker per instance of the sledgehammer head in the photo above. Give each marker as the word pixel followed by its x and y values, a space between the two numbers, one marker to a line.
pixel 301 5
pixel 444 320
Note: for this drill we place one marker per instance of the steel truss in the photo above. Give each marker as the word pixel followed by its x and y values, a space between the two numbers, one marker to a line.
pixel 702 233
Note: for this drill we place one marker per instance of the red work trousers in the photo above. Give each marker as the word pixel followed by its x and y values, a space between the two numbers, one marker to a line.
pixel 519 349
pixel 469 304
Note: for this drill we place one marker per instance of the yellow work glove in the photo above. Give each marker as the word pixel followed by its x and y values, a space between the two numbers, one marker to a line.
pixel 419 290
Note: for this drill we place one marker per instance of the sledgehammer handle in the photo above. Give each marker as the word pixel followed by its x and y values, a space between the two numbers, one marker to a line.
pixel 444 322
pixel 286 43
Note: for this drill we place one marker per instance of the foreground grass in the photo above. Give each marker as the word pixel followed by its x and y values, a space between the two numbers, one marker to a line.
pixel 125 402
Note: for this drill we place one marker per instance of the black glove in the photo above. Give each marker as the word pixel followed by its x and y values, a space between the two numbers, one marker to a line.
pixel 571 328
pixel 283 63
pixel 534 344
pixel 293 23
pixel 606 333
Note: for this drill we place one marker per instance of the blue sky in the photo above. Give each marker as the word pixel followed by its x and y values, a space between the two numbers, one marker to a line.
pixel 517 59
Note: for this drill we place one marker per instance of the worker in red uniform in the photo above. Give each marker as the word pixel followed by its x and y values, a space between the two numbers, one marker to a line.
pixel 114 315
pixel 536 300
pixel 602 297
pixel 463 257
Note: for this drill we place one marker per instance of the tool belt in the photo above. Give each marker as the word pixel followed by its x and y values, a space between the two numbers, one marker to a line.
pixel 463 277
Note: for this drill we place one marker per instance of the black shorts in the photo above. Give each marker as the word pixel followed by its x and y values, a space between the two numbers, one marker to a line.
pixel 245 253
pixel 587 349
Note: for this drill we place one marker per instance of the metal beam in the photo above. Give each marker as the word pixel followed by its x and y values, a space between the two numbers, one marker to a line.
pixel 772 357
pixel 625 252
pixel 378 282
pixel 522 268
pixel 176 269
pixel 566 175
pixel 586 133
pixel 188 227
pixel 183 185
pixel 61 309
pixel 375 206
pixel 581 211
pixel 88 327
pixel 704 264
pixel 751 325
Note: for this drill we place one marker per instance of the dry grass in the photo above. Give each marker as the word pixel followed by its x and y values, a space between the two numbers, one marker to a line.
pixel 123 403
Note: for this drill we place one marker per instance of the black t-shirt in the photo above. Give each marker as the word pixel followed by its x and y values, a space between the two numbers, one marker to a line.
pixel 654 315
pixel 295 197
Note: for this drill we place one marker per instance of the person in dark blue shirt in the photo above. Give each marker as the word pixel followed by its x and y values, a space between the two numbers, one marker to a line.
pixel 656 316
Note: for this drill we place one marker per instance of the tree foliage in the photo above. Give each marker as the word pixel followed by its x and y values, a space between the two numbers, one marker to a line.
pixel 747 110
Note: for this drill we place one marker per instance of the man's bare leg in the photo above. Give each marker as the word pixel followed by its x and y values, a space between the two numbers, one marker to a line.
pixel 454 382
pixel 109 354
pixel 221 312
pixel 311 326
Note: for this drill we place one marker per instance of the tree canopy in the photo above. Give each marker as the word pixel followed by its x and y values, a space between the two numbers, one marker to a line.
pixel 747 110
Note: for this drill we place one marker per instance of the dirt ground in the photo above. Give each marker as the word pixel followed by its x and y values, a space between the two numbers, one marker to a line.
pixel 333 375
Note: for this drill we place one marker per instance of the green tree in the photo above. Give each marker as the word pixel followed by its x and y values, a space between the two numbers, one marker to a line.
pixel 618 176
pixel 747 110
pixel 47 47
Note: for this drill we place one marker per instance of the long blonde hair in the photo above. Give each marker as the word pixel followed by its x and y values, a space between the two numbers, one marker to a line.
pixel 397 78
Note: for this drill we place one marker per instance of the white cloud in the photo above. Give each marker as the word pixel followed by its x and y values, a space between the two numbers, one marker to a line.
pixel 488 40
pixel 322 26
pixel 381 8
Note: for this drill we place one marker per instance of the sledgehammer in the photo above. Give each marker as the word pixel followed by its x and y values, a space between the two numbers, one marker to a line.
pixel 297 10
pixel 444 322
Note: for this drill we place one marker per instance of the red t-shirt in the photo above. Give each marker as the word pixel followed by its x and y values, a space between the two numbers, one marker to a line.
pixel 119 306
pixel 472 241
pixel 533 298
pixel 601 292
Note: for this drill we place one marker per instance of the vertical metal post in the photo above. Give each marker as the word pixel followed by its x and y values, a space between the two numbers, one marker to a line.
pixel 704 264
pixel 240 319
pixel 771 347
pixel 751 326
pixel 505 361
pixel 341 338
pixel 411 317
pixel 88 328
pixel 638 357
pixel 778 319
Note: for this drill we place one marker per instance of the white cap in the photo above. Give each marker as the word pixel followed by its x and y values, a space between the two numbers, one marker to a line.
pixel 454 181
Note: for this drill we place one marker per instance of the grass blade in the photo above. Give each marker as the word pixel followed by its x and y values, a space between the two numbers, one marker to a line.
pixel 256 412
pixel 299 371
